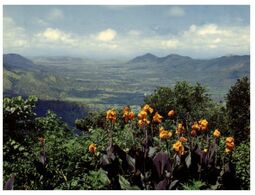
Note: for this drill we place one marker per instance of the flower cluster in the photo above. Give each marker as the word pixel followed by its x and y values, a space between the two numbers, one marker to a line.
pixel 127 114
pixel 164 134
pixel 147 109
pixel 180 129
pixel 171 113
pixel 157 118
pixel 92 148
pixel 111 115
pixel 216 133
pixel 183 139
pixel 142 116
pixel 230 144
pixel 178 147
pixel 200 126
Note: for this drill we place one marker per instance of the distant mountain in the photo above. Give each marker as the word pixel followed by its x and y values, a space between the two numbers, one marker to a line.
pixel 177 63
pixel 144 58
pixel 22 77
pixel 173 60
pixel 112 82
pixel 11 61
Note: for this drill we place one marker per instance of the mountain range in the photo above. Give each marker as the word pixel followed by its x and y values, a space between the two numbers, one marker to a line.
pixel 100 84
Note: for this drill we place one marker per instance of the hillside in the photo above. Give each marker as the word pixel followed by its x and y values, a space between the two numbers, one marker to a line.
pixel 100 84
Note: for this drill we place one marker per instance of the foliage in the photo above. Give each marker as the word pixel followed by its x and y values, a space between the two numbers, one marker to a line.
pixel 18 116
pixel 238 107
pixel 146 151
pixel 92 120
pixel 241 157
pixel 184 98
pixel 193 185
pixel 191 102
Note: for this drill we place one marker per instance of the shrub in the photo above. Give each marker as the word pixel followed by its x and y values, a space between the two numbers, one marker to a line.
pixel 18 117
pixel 238 107
pixel 191 103
pixel 241 158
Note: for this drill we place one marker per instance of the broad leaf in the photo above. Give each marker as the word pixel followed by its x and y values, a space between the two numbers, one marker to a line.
pixel 9 184
pixel 125 185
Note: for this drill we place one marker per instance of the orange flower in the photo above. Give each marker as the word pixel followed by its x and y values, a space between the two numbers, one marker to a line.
pixel 131 115
pixel 179 129
pixel 230 139
pixel 216 133
pixel 183 139
pixel 111 115
pixel 171 113
pixel 193 133
pixel 92 148
pixel 178 147
pixel 203 124
pixel 230 144
pixel 165 134
pixel 195 126
pixel 142 115
pixel 140 123
pixel 161 129
pixel 147 108
pixel 157 118
pixel 126 116
pixel 126 109
pixel 143 122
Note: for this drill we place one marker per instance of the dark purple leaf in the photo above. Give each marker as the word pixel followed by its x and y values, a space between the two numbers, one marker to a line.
pixel 173 184
pixel 162 163
pixel 162 185
pixel 42 158
pixel 229 177
pixel 9 184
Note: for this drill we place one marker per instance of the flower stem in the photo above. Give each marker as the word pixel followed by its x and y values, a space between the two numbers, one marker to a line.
pixel 167 147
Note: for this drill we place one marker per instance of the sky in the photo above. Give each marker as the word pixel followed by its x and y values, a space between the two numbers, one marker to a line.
pixel 107 31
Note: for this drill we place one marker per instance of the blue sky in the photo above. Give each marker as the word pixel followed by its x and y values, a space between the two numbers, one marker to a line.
pixel 126 31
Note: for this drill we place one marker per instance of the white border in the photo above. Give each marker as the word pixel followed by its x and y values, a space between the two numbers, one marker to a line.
pixel 142 2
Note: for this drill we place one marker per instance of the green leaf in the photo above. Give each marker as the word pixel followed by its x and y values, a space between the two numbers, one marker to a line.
pixel 188 160
pixel 103 177
pixel 21 148
pixel 152 151
pixel 125 185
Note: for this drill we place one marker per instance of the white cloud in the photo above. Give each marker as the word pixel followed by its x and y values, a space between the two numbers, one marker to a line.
pixel 57 36
pixel 207 40
pixel 55 14
pixel 212 36
pixel 171 43
pixel 14 37
pixel 175 11
pixel 106 35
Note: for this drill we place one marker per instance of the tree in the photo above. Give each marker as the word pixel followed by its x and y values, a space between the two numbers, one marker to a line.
pixel 18 117
pixel 184 98
pixel 238 108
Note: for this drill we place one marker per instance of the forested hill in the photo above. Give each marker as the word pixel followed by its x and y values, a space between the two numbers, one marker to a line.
pixel 101 84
